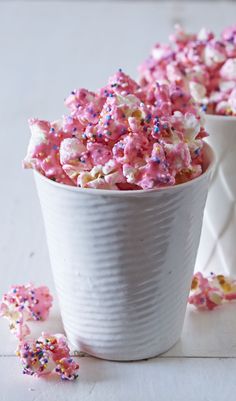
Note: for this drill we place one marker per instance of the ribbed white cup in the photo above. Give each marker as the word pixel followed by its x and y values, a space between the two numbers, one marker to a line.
pixel 123 262
pixel 217 250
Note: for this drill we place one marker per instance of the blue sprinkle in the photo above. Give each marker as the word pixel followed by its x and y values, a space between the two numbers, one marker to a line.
pixel 55 147
pixel 157 160
pixel 108 117
pixel 148 118
pixel 156 129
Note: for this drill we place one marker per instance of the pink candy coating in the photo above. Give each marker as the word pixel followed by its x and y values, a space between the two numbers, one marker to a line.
pixel 210 292
pixel 121 137
pixel 201 64
pixel 25 302
pixel 49 353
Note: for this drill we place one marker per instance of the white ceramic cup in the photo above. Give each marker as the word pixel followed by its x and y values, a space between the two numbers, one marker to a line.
pixel 123 262
pixel 217 249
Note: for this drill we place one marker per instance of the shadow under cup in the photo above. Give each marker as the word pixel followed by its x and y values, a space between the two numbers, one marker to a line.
pixel 123 261
pixel 217 250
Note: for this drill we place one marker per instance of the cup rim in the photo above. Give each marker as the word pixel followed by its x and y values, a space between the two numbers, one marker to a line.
pixel 218 117
pixel 140 192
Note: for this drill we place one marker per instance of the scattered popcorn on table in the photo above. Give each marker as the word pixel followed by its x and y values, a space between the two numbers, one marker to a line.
pixel 210 292
pixel 48 354
pixel 22 303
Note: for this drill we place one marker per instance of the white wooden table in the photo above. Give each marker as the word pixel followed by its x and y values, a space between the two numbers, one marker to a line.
pixel 47 49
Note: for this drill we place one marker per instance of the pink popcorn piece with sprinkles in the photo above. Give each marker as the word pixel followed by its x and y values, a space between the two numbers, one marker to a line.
pixel 48 354
pixel 210 292
pixel 201 64
pixel 43 149
pixel 226 284
pixel 23 303
pixel 121 137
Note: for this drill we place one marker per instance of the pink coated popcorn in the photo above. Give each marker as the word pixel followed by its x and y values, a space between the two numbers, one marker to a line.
pixel 23 303
pixel 229 34
pixel 48 354
pixel 210 292
pixel 201 64
pixel 121 138
pixel 43 150
pixel 226 285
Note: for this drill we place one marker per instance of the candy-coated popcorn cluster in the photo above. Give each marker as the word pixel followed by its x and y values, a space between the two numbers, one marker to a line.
pixel 201 64
pixel 23 303
pixel 121 137
pixel 49 353
pixel 210 292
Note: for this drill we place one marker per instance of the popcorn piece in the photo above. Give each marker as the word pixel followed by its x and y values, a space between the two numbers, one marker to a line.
pixel 226 285
pixel 23 303
pixel 43 150
pixel 228 70
pixel 48 354
pixel 208 293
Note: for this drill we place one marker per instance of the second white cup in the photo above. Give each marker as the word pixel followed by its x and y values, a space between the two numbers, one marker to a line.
pixel 217 250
